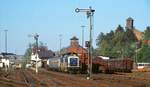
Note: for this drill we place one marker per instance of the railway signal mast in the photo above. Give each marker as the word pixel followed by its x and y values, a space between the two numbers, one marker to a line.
pixel 89 12
pixel 60 39
pixel 6 46
pixel 36 36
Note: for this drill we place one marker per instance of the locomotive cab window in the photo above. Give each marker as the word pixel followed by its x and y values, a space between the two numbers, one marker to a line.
pixel 73 61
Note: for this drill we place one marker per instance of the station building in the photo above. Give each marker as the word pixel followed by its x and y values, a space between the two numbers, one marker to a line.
pixel 42 57
pixel 82 52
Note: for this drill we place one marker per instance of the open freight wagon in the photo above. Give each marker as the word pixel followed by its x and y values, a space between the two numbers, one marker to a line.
pixel 112 65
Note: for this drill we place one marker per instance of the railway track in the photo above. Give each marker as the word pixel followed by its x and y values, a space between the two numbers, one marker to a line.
pixel 10 83
pixel 29 81
pixel 124 79
pixel 45 80
pixel 109 80
pixel 7 81
pixel 68 80
pixel 33 80
pixel 18 78
pixel 28 78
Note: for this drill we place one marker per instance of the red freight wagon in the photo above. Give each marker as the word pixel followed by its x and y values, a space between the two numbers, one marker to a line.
pixel 112 65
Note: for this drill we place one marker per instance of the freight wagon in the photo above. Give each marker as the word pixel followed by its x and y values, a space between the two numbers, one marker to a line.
pixel 112 65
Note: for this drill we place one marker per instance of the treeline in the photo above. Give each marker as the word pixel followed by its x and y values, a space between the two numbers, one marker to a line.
pixel 122 43
pixel 144 53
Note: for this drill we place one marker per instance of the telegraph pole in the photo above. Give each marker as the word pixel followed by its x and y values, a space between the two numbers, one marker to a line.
pixel 60 44
pixel 5 40
pixel 82 37
pixel 36 37
pixel 89 12
pixel 136 51
pixel 1 26
pixel 6 67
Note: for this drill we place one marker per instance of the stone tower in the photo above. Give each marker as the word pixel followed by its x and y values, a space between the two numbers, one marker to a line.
pixel 74 42
pixel 129 23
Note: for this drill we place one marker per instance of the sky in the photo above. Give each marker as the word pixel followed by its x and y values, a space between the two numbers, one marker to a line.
pixel 50 18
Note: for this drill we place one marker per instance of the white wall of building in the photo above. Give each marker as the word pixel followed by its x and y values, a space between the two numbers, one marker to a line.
pixel 6 63
pixel 34 58
pixel 1 64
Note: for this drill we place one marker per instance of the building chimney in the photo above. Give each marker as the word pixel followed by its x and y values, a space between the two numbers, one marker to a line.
pixel 74 42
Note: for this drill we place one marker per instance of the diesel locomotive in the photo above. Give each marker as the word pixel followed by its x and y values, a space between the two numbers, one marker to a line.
pixel 66 63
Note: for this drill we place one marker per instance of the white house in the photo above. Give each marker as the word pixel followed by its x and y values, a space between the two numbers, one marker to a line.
pixel 1 64
pixel 4 61
pixel 35 59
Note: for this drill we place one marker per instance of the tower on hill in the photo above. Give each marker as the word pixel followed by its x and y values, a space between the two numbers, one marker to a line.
pixel 129 23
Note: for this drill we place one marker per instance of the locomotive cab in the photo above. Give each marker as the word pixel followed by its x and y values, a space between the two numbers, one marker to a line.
pixel 73 63
pixel 66 63
pixel 70 63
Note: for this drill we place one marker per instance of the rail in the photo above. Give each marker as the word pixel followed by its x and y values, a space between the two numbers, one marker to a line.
pixel 29 81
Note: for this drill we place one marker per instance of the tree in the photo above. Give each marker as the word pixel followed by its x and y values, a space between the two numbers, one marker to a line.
pixel 99 39
pixel 130 41
pixel 28 52
pixel 147 34
pixel 27 55
pixel 104 43
pixel 118 43
pixel 144 53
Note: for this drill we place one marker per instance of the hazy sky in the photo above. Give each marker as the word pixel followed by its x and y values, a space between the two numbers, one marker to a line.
pixel 49 18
